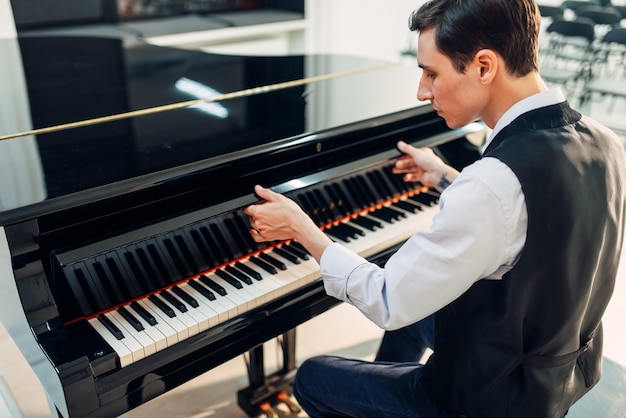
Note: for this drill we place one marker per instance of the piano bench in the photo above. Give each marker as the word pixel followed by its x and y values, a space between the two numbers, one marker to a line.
pixel 608 398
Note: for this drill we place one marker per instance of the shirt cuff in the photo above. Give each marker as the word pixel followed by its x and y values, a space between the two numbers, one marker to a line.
pixel 336 265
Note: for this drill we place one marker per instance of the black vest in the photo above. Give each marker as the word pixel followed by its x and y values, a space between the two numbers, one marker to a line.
pixel 530 345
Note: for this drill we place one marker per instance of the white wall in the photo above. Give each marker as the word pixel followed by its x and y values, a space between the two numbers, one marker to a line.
pixel 361 27
pixel 7 26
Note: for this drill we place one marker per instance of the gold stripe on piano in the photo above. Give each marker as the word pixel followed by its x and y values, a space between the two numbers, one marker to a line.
pixel 241 93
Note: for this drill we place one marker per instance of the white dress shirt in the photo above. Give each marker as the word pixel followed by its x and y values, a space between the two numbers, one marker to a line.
pixel 478 233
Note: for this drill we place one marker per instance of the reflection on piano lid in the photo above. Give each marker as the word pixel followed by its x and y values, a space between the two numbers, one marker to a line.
pixel 136 272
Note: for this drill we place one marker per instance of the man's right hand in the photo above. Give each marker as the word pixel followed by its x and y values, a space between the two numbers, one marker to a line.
pixel 422 165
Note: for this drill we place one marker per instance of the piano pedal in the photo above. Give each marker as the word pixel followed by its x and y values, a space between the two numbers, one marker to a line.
pixel 284 397
pixel 267 409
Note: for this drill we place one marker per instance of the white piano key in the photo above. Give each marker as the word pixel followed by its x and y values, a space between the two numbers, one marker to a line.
pixel 211 315
pixel 129 339
pixel 224 312
pixel 147 344
pixel 170 334
pixel 123 352
pixel 182 332
pixel 244 300
pixel 228 306
pixel 392 233
pixel 152 331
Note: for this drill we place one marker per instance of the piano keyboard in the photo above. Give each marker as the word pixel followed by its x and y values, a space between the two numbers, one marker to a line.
pixel 172 286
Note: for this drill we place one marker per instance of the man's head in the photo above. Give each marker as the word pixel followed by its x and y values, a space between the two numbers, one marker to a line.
pixel 463 27
pixel 478 57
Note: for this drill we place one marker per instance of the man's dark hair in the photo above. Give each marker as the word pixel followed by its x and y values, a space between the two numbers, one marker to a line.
pixel 463 27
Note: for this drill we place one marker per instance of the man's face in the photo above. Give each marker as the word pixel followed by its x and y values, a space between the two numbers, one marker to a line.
pixel 457 97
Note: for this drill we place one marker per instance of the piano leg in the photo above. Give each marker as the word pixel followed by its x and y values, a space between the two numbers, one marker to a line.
pixel 266 391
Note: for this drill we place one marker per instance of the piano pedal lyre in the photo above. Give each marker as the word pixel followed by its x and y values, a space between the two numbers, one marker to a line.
pixel 265 392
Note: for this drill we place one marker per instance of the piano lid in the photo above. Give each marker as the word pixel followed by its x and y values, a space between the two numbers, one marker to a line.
pixel 53 81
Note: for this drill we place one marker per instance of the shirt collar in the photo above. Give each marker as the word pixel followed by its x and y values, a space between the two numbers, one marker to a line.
pixel 537 100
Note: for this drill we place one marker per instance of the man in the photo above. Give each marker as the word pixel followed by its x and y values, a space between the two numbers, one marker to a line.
pixel 520 262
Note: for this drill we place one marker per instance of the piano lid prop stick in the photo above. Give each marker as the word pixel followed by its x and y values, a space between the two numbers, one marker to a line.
pixel 152 110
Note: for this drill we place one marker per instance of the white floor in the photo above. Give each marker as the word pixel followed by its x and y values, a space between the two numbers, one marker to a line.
pixel 342 331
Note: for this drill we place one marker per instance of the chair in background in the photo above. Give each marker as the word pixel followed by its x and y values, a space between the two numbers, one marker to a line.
pixel 609 78
pixel 575 4
pixel 604 17
pixel 549 13
pixel 568 59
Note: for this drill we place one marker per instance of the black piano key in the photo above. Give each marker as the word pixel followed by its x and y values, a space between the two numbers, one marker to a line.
pixel 264 265
pixel 238 274
pixel 207 256
pixel 217 288
pixel 287 255
pixel 300 246
pixel 173 300
pixel 369 193
pixel 121 275
pixel 425 198
pixel 229 278
pixel 190 300
pixel 153 263
pixel 147 316
pixel 353 190
pixel 92 287
pixel 160 303
pixel 397 180
pixel 117 333
pixel 82 293
pixel 174 258
pixel 377 185
pixel 342 199
pixel 273 261
pixel 214 245
pixel 303 200
pixel 408 206
pixel 130 318
pixel 238 239
pixel 339 233
pixel 384 183
pixel 190 250
pixel 135 270
pixel 244 228
pixel 345 232
pixel 186 251
pixel 223 242
pixel 303 255
pixel 355 232
pixel 336 204
pixel 202 290
pixel 387 214
pixel 367 223
pixel 249 271
pixel 323 205
pixel 111 289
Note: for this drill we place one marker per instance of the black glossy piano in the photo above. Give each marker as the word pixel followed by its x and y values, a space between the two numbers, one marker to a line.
pixel 126 264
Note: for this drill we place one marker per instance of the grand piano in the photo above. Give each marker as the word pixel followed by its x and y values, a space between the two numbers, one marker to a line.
pixel 125 261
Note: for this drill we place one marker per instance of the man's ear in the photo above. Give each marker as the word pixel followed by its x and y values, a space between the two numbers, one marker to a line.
pixel 487 64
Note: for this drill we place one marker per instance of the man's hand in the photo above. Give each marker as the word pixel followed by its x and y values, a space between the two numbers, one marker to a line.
pixel 422 165
pixel 280 218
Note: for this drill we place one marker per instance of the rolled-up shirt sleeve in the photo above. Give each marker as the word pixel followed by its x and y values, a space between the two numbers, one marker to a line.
pixel 477 234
